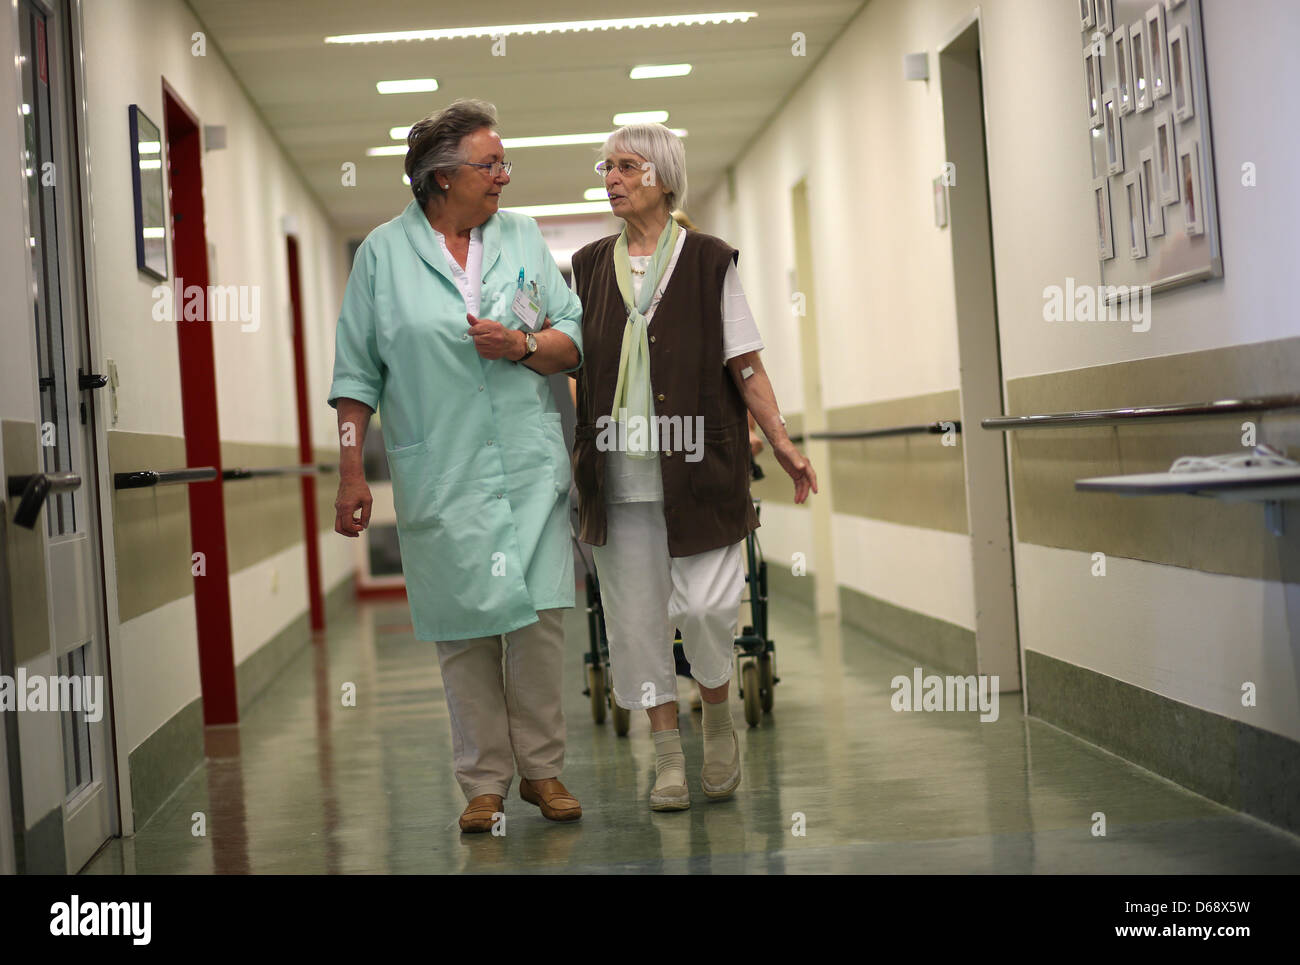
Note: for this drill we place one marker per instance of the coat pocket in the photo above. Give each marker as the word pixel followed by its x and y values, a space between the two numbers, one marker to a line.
pixel 414 486
pixel 553 432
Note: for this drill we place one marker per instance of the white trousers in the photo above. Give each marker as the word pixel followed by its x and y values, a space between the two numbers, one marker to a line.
pixel 646 594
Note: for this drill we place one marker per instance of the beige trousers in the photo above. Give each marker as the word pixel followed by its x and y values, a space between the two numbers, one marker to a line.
pixel 506 712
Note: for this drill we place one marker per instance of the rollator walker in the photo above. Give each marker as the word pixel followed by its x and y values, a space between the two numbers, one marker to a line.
pixel 755 653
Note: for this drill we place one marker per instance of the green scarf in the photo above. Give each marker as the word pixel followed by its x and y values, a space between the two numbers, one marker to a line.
pixel 632 392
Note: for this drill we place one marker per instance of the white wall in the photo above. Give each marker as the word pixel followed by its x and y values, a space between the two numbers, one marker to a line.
pixel 248 187
pixel 870 142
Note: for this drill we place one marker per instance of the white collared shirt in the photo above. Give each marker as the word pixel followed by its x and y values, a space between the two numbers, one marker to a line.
pixel 470 278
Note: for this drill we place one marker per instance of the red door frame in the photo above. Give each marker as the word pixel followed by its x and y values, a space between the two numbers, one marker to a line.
pixel 305 454
pixel 183 135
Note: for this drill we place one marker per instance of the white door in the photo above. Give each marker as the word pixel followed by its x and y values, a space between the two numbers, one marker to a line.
pixel 67 434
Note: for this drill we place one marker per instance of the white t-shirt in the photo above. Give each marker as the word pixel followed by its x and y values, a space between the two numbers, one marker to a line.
pixel 630 480
pixel 470 278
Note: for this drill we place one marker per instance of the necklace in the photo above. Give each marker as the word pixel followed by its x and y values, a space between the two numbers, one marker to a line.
pixel 635 272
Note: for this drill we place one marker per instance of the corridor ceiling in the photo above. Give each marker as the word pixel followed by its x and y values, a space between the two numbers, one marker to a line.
pixel 321 101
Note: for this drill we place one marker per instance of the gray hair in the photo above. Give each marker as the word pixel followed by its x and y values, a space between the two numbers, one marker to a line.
pixel 662 148
pixel 433 144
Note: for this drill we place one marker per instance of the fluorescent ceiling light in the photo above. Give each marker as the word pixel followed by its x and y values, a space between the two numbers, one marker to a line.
pixel 561 26
pixel 649 71
pixel 551 140
pixel 555 210
pixel 149 147
pixel 399 133
pixel 147 165
pixel 596 194
pixel 640 117
pixel 420 85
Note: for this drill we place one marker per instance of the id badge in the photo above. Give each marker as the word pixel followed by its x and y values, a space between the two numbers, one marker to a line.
pixel 528 303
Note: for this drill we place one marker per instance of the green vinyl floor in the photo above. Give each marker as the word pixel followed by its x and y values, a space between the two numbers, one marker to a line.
pixel 306 785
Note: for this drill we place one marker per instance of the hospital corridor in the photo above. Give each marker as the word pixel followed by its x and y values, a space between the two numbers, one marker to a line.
pixel 545 438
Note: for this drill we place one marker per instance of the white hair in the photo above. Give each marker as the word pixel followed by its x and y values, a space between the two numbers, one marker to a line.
pixel 662 148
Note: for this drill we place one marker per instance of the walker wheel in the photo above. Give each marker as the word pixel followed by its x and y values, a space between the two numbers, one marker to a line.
pixel 596 686
pixel 766 680
pixel 750 691
pixel 622 719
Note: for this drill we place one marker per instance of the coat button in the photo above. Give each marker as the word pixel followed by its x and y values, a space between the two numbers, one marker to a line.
pixel 660 397
pixel 499 495
pixel 668 452
pixel 489 442
pixel 480 388
pixel 652 338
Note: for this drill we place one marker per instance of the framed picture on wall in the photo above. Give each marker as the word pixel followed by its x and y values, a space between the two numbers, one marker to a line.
pixel 1105 22
pixel 1166 158
pixel 1092 67
pixel 1157 53
pixel 1123 70
pixel 1141 85
pixel 1155 211
pixel 1189 177
pixel 1113 133
pixel 148 191
pixel 1087 15
pixel 1101 200
pixel 1137 221
pixel 1180 73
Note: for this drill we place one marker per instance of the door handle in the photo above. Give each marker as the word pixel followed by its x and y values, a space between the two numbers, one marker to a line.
pixel 91 380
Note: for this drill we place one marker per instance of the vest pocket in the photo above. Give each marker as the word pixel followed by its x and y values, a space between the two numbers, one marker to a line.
pixel 722 472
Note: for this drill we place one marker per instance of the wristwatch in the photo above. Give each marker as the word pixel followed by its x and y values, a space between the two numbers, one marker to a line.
pixel 530 343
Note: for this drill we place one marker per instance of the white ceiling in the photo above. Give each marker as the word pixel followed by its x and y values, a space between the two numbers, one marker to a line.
pixel 321 100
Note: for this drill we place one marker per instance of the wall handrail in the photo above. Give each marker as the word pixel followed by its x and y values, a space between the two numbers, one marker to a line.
pixel 309 469
pixel 1145 413
pixel 33 488
pixel 145 478
pixel 930 428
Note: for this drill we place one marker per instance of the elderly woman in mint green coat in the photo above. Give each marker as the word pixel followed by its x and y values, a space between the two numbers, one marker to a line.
pixel 454 314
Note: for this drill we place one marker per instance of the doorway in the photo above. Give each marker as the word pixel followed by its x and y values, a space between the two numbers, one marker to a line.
pixel 82 737
pixel 184 139
pixel 997 638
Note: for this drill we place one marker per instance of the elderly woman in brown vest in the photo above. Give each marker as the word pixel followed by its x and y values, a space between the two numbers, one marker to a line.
pixel 661 458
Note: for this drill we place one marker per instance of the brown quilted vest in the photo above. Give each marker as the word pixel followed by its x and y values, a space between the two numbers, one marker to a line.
pixel 706 503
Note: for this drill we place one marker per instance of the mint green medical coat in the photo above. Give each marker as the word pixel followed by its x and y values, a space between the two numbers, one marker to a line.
pixel 479 466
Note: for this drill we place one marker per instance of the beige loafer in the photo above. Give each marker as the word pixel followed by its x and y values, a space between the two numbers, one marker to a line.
pixel 721 780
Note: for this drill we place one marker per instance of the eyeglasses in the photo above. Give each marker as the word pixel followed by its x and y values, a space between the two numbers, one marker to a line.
pixel 494 168
pixel 626 168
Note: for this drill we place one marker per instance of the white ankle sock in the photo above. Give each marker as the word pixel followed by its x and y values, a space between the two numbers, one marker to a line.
pixel 670 762
pixel 718 747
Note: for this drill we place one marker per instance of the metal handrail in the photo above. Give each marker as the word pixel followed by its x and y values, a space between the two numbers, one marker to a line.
pixel 309 469
pixel 931 428
pixel 34 488
pixel 1145 413
pixel 145 478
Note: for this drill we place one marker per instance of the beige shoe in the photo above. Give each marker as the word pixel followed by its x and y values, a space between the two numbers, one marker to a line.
pixel 721 780
pixel 674 797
